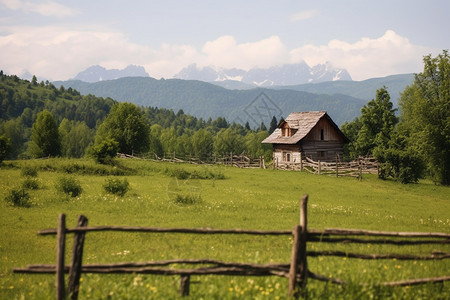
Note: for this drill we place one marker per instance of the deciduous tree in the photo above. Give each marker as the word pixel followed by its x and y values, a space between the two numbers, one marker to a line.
pixel 45 139
pixel 425 114
pixel 127 125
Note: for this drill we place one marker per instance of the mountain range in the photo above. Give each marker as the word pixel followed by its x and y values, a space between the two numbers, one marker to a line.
pixel 288 74
pixel 99 73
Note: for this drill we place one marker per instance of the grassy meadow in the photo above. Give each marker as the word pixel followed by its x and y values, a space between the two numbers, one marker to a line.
pixel 182 195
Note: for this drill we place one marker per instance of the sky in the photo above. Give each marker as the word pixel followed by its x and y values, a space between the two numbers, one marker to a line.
pixel 56 40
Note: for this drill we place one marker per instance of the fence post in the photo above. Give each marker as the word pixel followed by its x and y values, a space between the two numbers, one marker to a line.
pixel 303 262
pixel 319 166
pixel 360 169
pixel 185 281
pixel 337 168
pixel 293 271
pixel 77 258
pixel 60 250
pixel 301 162
pixel 299 263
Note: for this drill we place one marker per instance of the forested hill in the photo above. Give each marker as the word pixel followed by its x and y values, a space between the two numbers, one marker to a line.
pixel 24 99
pixel 365 89
pixel 78 117
pixel 206 100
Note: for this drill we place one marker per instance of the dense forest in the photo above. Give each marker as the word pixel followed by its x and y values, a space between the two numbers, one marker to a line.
pixel 28 107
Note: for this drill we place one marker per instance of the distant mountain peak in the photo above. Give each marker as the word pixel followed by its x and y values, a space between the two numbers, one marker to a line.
pixel 98 73
pixel 288 74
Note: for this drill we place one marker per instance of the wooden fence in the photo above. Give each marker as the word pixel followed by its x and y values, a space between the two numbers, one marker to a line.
pixel 240 161
pixel 355 168
pixel 296 271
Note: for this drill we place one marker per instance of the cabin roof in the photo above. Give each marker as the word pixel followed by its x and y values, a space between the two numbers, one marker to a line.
pixel 303 122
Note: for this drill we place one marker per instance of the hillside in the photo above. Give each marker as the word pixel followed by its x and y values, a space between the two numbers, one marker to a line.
pixel 206 100
pixel 365 89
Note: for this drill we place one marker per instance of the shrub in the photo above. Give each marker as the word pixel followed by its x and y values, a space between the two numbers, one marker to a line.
pixel 180 174
pixel 69 186
pixel 18 197
pixel 105 151
pixel 30 184
pixel 116 186
pixel 29 171
pixel 187 199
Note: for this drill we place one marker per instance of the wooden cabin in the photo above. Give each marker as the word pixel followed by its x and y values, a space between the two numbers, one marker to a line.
pixel 310 134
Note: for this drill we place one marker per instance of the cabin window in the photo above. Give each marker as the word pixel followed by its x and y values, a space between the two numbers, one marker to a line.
pixel 321 134
pixel 286 156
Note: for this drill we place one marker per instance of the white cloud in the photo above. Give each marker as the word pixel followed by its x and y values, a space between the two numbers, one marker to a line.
pixel 366 58
pixel 226 52
pixel 45 8
pixel 303 15
pixel 59 53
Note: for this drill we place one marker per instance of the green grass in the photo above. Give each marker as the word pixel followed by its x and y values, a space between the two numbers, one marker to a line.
pixel 228 197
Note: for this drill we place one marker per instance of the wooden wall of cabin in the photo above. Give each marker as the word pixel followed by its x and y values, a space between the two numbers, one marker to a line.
pixel 281 151
pixel 324 131
pixel 322 150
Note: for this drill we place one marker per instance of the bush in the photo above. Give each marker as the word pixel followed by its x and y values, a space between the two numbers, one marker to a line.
pixel 28 171
pixel 69 186
pixel 105 151
pixel 30 184
pixel 187 199
pixel 116 186
pixel 18 197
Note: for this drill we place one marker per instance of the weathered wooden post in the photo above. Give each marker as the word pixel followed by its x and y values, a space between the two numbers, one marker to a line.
pixel 360 169
pixel 301 162
pixel 319 166
pixel 337 168
pixel 303 263
pixel 293 271
pixel 299 263
pixel 185 281
pixel 77 258
pixel 60 250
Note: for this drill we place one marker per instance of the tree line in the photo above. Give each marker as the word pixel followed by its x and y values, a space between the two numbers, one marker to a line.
pixel 415 141
pixel 38 120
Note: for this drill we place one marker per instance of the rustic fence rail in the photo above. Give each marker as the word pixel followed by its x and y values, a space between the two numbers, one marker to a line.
pixel 237 160
pixel 355 168
pixel 296 271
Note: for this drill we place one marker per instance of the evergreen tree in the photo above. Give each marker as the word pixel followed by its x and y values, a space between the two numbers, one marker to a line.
pixel 273 125
pixel 262 127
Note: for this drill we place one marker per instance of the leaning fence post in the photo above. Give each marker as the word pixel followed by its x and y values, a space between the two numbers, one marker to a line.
pixel 185 281
pixel 77 258
pixel 303 262
pixel 293 271
pixel 299 264
pixel 60 250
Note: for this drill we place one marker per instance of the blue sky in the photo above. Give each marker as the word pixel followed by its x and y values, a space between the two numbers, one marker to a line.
pixel 57 39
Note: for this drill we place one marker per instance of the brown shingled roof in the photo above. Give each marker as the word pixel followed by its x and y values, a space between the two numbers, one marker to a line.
pixel 303 122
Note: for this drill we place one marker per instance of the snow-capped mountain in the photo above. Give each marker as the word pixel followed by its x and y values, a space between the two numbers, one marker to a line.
pixel 289 74
pixel 99 73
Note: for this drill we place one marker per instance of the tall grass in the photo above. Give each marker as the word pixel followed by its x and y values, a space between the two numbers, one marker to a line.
pixel 244 198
